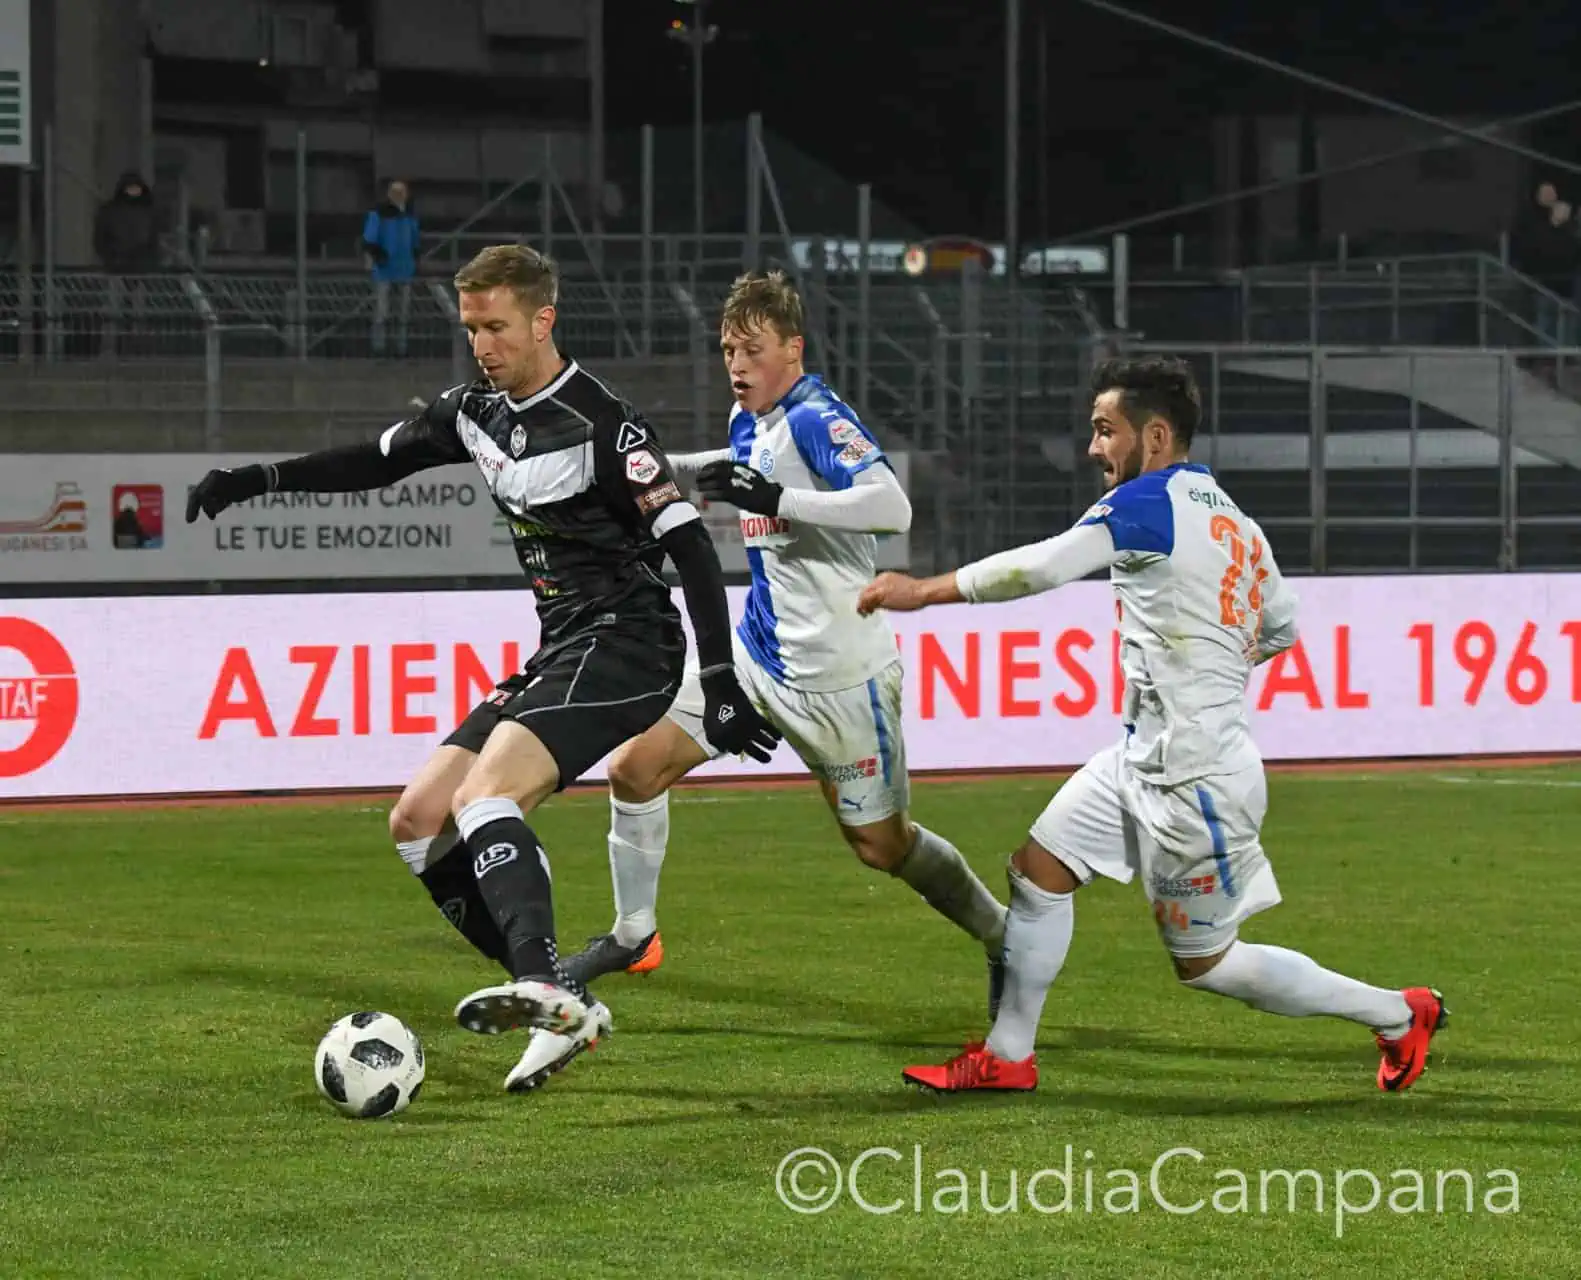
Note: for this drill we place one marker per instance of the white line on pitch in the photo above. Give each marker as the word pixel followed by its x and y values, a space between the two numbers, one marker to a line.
pixel 1507 782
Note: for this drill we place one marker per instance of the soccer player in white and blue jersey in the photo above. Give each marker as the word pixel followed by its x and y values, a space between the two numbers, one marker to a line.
pixel 814 489
pixel 1180 799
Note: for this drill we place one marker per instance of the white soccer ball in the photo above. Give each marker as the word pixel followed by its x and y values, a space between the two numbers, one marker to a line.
pixel 369 1065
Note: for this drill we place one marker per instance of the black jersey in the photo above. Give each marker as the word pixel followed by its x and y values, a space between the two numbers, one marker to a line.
pixel 582 480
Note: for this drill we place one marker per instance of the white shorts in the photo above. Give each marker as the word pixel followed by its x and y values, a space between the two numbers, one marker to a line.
pixel 849 738
pixel 1198 847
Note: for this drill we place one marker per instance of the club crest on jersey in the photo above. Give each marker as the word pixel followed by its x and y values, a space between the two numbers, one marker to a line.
pixel 641 467
pixel 518 440
pixel 631 435
pixel 766 462
pixel 843 432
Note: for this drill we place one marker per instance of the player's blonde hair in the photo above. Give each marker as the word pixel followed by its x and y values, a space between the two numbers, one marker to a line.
pixel 532 276
pixel 764 299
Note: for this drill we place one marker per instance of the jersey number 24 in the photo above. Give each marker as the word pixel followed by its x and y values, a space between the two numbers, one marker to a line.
pixel 1232 613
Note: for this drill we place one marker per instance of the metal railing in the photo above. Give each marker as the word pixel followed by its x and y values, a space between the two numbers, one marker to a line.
pixel 1448 485
pixel 1434 466
pixel 1444 299
pixel 1449 459
pixel 98 315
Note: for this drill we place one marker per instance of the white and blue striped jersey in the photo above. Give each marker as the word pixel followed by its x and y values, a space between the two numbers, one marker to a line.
pixel 1200 602
pixel 801 623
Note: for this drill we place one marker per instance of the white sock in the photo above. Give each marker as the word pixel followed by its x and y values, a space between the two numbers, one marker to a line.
pixel 414 853
pixel 1037 938
pixel 637 836
pixel 1277 980
pixel 936 870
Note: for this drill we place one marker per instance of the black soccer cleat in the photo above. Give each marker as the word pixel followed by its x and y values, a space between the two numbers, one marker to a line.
pixel 604 955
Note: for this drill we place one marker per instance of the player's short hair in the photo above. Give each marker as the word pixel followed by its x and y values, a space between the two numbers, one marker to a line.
pixel 532 276
pixel 1154 386
pixel 758 299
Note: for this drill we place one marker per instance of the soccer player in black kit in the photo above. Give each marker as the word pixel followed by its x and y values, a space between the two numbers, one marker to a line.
pixel 593 510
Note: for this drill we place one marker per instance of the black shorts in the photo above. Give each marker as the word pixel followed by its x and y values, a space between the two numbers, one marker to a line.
pixel 585 696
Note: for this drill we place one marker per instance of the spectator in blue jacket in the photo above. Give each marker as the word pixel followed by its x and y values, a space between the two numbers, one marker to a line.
pixel 389 243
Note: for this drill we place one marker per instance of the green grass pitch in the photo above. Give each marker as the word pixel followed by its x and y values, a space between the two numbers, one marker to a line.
pixel 167 974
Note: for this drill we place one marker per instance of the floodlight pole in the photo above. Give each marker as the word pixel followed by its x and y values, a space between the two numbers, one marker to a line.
pixel 1013 203
pixel 699 38
pixel 698 34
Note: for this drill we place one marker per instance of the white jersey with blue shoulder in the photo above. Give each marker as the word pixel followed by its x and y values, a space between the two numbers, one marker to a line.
pixel 801 623
pixel 1201 601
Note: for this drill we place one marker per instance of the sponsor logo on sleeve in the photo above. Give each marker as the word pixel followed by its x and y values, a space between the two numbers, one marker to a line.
pixel 855 451
pixel 642 467
pixel 661 495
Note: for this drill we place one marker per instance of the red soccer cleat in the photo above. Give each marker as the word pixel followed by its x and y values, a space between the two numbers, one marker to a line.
pixel 1406 1058
pixel 976 1067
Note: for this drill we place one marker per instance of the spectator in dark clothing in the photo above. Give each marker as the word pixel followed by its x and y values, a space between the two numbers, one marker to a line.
pixel 389 241
pixel 126 230
pixel 126 240
pixel 1549 250
pixel 1564 220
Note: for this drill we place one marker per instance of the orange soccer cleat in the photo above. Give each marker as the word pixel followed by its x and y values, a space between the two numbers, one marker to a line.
pixel 650 957
pixel 604 955
pixel 976 1067
pixel 1406 1058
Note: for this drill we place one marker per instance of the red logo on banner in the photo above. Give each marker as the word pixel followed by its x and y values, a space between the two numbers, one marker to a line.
pixel 139 516
pixel 47 698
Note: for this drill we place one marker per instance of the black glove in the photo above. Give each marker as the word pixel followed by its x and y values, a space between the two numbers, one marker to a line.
pixel 731 722
pixel 741 486
pixel 221 489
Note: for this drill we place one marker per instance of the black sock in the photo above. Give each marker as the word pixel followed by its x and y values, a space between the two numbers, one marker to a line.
pixel 454 889
pixel 513 878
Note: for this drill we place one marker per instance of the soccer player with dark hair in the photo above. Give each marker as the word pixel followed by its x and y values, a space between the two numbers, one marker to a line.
pixel 1178 802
